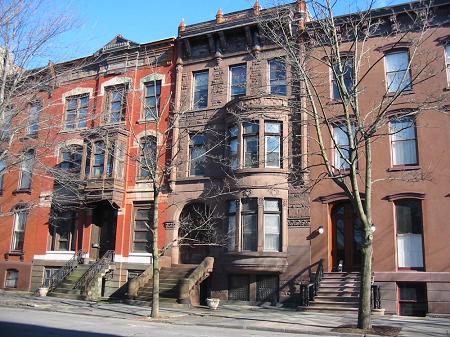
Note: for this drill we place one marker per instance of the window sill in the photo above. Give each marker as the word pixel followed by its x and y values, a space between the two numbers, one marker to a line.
pixel 260 170
pixel 405 92
pixel 193 178
pixel 411 269
pixel 14 253
pixel 27 137
pixel 73 130
pixel 22 191
pixel 400 168
pixel 146 121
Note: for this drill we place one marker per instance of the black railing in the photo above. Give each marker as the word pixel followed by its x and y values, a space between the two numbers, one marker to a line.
pixel 375 297
pixel 309 291
pixel 97 268
pixel 62 273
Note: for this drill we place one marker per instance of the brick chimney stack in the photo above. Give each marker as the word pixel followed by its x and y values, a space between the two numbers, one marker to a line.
pixel 181 27
pixel 257 8
pixel 219 16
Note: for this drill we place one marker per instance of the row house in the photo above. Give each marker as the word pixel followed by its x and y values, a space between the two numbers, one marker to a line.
pixel 238 153
pixel 82 185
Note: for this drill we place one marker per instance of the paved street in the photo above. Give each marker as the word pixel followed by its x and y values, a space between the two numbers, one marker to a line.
pixel 25 315
pixel 33 323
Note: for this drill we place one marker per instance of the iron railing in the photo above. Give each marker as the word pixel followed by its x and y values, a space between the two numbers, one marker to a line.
pixel 97 268
pixel 309 291
pixel 375 297
pixel 62 273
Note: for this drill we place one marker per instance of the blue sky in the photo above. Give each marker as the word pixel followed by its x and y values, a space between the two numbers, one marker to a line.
pixel 98 21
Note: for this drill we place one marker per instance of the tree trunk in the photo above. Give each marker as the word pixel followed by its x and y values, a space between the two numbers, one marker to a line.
pixel 365 308
pixel 155 292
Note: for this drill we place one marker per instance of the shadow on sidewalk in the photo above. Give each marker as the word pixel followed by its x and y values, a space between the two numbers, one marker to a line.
pixel 27 330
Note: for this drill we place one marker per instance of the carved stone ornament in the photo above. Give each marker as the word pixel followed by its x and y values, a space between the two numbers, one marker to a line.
pixel 302 222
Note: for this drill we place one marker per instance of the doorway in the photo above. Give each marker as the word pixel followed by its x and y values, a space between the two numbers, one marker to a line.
pixel 347 237
pixel 103 237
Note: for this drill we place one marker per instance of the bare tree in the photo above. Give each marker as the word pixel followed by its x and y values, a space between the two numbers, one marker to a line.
pixel 316 43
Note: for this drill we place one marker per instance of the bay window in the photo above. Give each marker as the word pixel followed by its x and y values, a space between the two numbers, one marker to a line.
pixel 272 224
pixel 403 141
pixel 233 144
pixel 408 215
pixel 249 221
pixel 251 144
pixel 273 144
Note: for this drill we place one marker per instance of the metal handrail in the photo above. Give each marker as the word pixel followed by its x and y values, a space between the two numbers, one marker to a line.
pixel 65 270
pixel 375 297
pixel 309 291
pixel 94 270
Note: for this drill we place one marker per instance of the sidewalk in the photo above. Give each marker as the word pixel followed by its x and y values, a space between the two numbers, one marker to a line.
pixel 231 316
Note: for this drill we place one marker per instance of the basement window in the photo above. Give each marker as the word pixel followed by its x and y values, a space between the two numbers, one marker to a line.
pixel 412 299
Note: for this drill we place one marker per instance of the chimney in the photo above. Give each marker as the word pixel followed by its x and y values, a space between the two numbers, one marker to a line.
pixel 257 8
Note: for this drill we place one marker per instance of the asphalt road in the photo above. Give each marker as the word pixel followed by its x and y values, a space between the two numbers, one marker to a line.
pixel 33 323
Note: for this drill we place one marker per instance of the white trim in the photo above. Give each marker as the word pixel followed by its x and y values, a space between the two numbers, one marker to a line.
pixel 77 91
pixel 114 81
pixel 144 258
pixel 53 255
pixel 151 78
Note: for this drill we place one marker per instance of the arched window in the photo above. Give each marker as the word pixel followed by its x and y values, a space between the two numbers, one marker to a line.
pixel 12 278
pixel 147 158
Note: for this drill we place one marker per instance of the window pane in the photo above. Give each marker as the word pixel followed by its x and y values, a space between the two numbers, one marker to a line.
pixel 251 128
pixel 249 229
pixel 409 216
pixel 404 153
pixel 271 205
pixel 238 80
pixel 198 160
pixel 232 232
pixel 409 233
pixel 271 127
pixel 234 160
pixel 278 85
pixel 273 151
pixel 397 71
pixel 200 90
pixel 342 143
pixel 397 61
pixel 249 205
pixel 348 78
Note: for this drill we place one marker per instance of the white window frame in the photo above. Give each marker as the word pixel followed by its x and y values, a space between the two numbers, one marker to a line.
pixel 391 141
pixel 407 87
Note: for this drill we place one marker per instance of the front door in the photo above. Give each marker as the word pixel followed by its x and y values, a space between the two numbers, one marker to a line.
pixel 103 237
pixel 347 238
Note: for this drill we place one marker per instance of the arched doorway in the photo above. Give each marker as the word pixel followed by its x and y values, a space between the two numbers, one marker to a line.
pixel 347 236
pixel 195 233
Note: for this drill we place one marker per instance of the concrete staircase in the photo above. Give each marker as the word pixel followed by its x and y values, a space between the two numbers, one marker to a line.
pixel 169 286
pixel 338 293
pixel 66 288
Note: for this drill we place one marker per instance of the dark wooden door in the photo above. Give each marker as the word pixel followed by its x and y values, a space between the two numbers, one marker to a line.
pixel 347 237
pixel 103 236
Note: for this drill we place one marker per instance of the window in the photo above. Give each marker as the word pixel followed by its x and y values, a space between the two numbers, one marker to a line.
pixel 111 157
pixel 408 215
pixel 2 174
pixel 278 81
pixel 249 220
pixel 26 170
pixel 48 274
pixel 116 104
pixel 151 102
pixel 447 62
pixel 238 81
pixel 239 288
pixel 148 157
pixel 398 74
pixel 412 299
pixel 71 157
pixel 33 123
pixel 76 112
pixel 200 98
pixel 12 278
pixel 197 155
pixel 251 144
pixel 99 159
pixel 347 73
pixel 20 220
pixel 273 144
pixel 403 141
pixel 120 169
pixel 233 145
pixel 341 147
pixel 232 225
pixel 63 231
pixel 272 224
pixel 143 223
